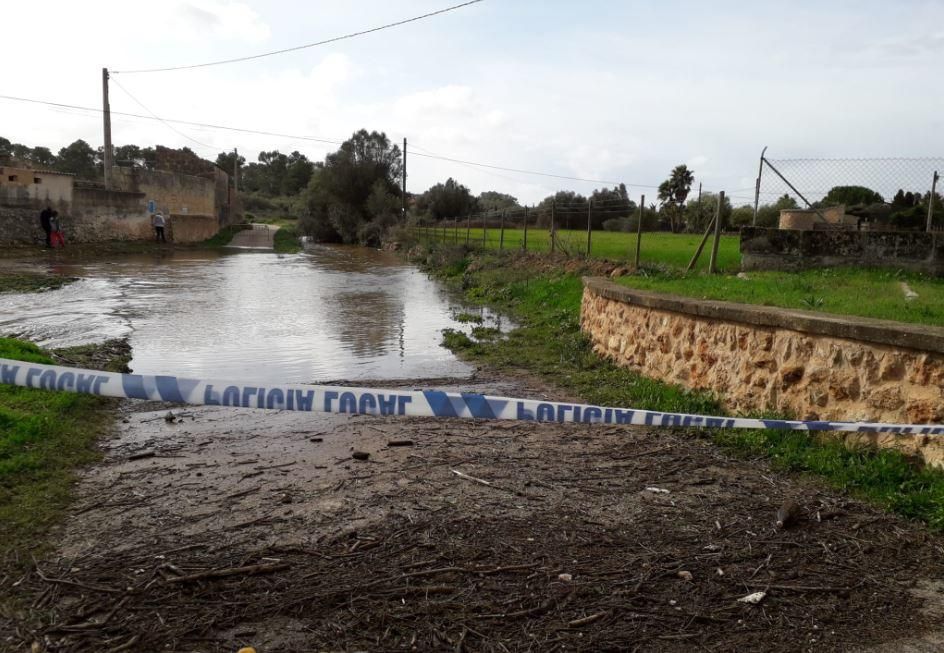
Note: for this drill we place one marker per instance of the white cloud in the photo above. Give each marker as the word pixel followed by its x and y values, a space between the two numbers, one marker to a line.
pixel 208 19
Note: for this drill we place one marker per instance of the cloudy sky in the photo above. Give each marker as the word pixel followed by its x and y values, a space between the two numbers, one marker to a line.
pixel 603 90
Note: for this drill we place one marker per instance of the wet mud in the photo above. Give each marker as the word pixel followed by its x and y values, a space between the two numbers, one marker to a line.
pixel 207 529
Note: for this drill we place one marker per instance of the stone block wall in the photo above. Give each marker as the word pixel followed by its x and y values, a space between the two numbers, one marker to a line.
pixel 790 249
pixel 808 365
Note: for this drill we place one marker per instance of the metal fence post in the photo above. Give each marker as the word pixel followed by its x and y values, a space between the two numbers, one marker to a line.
pixel 589 220
pixel 484 233
pixel 553 234
pixel 455 231
pixel 526 228
pixel 501 239
pixel 468 226
pixel 713 262
pixel 642 207
pixel 760 172
pixel 934 181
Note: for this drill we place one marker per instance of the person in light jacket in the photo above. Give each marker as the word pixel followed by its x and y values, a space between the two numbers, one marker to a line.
pixel 158 222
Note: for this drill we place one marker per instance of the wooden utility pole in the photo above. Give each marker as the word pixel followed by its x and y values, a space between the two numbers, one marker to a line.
pixel 109 155
pixel 403 192
pixel 642 207
pixel 713 261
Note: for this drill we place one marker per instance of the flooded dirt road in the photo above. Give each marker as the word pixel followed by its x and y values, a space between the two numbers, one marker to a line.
pixel 328 313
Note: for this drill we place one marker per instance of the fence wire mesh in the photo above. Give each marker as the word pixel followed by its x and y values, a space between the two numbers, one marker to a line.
pixel 813 179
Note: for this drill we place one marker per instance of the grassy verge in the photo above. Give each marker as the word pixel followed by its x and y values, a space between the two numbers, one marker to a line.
pixel 549 343
pixel 833 290
pixel 656 248
pixel 285 241
pixel 32 282
pixel 223 236
pixel 44 437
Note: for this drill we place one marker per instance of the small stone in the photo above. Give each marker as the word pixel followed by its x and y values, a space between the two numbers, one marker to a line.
pixel 685 575
pixel 566 578
pixel 360 455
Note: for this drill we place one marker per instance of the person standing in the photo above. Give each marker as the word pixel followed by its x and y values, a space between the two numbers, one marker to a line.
pixel 55 229
pixel 45 217
pixel 157 221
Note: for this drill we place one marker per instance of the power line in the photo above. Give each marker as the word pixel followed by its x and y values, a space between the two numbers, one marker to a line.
pixel 177 122
pixel 528 172
pixel 156 117
pixel 301 47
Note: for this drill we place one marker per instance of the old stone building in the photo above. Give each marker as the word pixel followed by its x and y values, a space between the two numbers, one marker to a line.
pixel 196 205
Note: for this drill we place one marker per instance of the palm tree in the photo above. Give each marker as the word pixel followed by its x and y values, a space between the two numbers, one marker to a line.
pixel 674 191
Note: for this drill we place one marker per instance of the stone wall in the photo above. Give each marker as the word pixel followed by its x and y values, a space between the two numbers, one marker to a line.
pixel 779 249
pixel 753 358
pixel 191 228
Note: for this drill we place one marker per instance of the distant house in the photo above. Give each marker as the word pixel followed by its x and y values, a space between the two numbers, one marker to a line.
pixel 834 217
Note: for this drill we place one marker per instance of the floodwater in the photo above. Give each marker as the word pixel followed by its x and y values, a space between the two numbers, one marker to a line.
pixel 325 314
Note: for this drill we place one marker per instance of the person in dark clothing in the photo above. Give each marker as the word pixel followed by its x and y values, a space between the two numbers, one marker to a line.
pixel 45 221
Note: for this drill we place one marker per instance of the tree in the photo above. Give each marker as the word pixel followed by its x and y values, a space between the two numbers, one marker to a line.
pixel 568 205
pixel 768 215
pixel 673 192
pixel 337 194
pixel 701 211
pixel 80 159
pixel 42 156
pixel 609 203
pixel 850 196
pixel 446 200
pixel 491 200
pixel 6 147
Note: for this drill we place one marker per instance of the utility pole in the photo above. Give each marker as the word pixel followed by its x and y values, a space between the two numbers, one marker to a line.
pixel 934 181
pixel 108 161
pixel 403 208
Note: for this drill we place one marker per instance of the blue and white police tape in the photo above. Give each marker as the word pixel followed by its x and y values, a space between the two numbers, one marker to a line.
pixel 365 401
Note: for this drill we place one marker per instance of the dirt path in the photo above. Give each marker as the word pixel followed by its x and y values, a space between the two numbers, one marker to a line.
pixel 550 537
pixel 259 237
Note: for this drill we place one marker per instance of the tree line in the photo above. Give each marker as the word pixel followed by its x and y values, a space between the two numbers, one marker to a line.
pixel 354 194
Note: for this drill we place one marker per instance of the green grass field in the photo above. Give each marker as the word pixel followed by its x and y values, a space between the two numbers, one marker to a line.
pixel 658 248
pixel 845 291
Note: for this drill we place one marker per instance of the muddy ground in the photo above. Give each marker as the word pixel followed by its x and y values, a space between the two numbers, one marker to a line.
pixel 225 528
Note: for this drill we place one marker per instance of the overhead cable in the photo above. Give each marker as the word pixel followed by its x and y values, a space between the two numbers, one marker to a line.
pixel 299 47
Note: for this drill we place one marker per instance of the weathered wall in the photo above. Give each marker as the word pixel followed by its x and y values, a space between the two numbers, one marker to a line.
pixel 191 228
pixel 98 214
pixel 780 249
pixel 172 193
pixel 821 368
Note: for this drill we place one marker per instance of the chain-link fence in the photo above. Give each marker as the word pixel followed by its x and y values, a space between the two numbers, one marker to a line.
pixel 883 193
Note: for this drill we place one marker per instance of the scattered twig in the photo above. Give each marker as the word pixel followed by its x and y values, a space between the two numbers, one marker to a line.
pixel 249 570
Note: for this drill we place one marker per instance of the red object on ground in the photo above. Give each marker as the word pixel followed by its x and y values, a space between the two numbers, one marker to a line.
pixel 56 239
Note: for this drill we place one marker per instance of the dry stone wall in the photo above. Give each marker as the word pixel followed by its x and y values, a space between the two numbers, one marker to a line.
pixel 808 365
